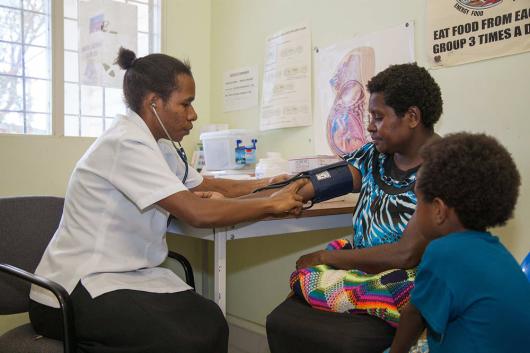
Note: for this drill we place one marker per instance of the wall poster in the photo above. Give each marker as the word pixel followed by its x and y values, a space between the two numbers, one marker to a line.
pixel 463 31
pixel 341 74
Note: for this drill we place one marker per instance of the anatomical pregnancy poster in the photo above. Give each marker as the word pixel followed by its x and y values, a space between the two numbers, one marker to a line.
pixel 341 73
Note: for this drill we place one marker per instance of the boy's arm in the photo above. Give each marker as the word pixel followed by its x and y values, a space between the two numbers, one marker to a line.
pixel 411 325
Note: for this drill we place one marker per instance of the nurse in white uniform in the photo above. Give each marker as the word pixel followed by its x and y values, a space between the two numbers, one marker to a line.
pixel 111 241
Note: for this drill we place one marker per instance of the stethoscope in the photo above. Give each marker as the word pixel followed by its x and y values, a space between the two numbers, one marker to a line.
pixel 180 150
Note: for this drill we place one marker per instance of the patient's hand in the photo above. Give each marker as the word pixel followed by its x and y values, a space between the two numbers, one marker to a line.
pixel 311 259
pixel 209 194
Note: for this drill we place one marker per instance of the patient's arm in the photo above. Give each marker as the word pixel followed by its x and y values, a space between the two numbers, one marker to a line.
pixel 308 191
pixel 405 253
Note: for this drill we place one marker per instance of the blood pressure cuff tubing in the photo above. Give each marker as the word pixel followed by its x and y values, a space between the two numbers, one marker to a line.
pixel 331 181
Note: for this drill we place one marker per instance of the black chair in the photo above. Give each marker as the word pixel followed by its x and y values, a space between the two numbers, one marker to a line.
pixel 27 225
pixel 295 327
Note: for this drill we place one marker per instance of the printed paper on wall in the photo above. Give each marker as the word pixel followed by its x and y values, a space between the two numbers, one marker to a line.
pixel 463 31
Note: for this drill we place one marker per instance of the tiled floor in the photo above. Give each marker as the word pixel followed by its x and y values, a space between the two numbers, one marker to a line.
pixel 245 341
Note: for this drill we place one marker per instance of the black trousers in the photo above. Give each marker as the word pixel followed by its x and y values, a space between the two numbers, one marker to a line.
pixel 138 322
pixel 296 327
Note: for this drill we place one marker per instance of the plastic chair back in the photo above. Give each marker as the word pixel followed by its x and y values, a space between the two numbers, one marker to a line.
pixel 27 225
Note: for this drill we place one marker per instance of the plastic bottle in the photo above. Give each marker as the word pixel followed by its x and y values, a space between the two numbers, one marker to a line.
pixel 271 166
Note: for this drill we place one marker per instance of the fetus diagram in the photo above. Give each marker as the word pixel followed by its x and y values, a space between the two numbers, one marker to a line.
pixel 345 127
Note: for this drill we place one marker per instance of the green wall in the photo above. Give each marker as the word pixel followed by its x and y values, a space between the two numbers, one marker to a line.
pixel 489 96
pixel 216 35
pixel 41 165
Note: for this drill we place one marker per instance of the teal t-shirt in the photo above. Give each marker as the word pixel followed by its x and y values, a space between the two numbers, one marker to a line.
pixel 473 295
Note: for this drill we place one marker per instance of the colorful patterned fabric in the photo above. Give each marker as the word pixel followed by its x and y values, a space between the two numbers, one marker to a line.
pixel 381 295
pixel 339 244
pixel 386 201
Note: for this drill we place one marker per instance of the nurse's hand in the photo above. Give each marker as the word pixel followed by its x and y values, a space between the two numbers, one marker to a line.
pixel 287 201
pixel 209 194
pixel 278 178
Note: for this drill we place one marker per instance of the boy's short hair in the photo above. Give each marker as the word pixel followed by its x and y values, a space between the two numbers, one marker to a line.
pixel 475 175
pixel 407 85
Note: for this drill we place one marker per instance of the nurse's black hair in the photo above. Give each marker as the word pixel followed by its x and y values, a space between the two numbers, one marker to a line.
pixel 407 85
pixel 152 73
pixel 474 174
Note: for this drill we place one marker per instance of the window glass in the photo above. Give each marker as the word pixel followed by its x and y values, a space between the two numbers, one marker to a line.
pixel 25 67
pixel 143 17
pixel 12 3
pixel 12 122
pixel 37 95
pixel 114 102
pixel 70 9
pixel 10 25
pixel 10 93
pixel 71 125
pixel 143 44
pixel 71 98
pixel 91 100
pixel 71 69
pixel 9 63
pixel 99 105
pixel 37 62
pixel 38 124
pixel 70 34
pixel 91 126
pixel 26 77
pixel 35 5
pixel 36 29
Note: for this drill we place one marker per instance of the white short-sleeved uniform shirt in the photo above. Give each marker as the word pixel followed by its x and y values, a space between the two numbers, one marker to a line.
pixel 112 233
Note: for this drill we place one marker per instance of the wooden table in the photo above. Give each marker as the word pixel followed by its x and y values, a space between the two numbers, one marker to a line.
pixel 326 215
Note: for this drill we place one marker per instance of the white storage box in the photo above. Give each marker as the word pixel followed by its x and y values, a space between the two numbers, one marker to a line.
pixel 220 148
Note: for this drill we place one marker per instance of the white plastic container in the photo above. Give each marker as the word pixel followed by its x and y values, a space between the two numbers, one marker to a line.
pixel 220 148
pixel 271 166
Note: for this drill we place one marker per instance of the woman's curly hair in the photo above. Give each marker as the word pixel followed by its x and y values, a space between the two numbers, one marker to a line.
pixel 475 175
pixel 407 85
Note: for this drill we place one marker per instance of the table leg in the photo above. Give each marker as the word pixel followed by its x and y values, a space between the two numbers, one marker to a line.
pixel 219 276
pixel 205 276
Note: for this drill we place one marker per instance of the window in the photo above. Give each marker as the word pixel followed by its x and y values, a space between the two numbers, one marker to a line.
pixel 25 67
pixel 91 109
pixel 26 62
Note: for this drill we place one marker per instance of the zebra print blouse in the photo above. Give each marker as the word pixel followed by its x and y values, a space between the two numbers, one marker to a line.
pixel 386 201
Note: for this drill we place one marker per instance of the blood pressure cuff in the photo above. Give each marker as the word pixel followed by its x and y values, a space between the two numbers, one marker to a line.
pixel 331 181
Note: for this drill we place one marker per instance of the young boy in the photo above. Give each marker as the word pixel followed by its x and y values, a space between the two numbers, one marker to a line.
pixel 470 292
